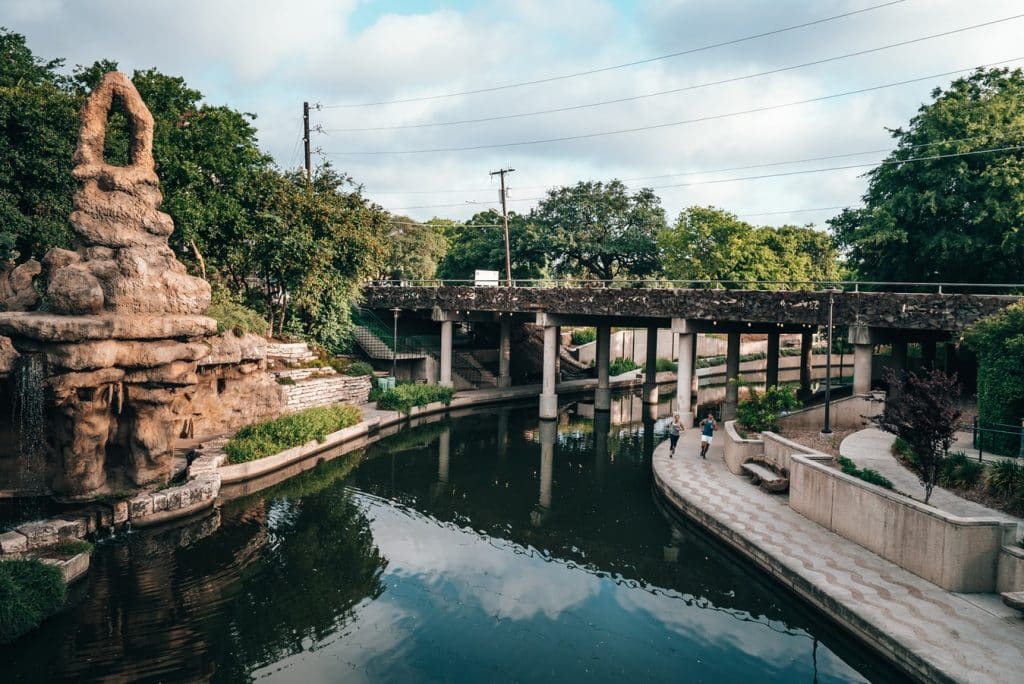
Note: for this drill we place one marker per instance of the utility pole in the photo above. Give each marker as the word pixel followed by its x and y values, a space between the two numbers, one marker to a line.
pixel 305 138
pixel 504 220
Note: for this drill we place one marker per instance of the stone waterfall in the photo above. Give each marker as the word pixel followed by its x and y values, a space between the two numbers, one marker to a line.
pixel 124 329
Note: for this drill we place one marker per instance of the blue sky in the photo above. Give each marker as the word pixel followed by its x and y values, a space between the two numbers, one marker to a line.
pixel 266 57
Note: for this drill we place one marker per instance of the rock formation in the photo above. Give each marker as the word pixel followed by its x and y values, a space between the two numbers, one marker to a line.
pixel 124 331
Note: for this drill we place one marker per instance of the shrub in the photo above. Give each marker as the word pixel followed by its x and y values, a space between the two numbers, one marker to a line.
pixel 583 336
pixel 868 475
pixel 621 365
pixel 30 592
pixel 998 341
pixel 357 368
pixel 70 547
pixel 232 315
pixel 404 397
pixel 667 365
pixel 761 412
pixel 960 471
pixel 1005 477
pixel 271 437
pixel 285 380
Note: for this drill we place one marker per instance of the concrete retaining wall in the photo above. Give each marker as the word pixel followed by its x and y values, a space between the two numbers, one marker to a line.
pixel 957 554
pixel 1010 575
pixel 851 413
pixel 779 451
pixel 738 450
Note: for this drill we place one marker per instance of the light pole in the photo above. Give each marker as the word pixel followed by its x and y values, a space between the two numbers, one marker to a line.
pixel 394 343
pixel 827 429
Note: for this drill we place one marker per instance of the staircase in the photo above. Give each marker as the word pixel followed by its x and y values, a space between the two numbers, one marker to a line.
pixel 470 368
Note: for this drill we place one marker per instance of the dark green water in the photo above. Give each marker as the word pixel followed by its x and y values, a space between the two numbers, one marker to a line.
pixel 485 548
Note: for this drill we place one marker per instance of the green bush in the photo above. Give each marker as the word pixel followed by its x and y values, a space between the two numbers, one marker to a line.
pixel 404 397
pixel 70 547
pixel 271 437
pixel 760 412
pixel 667 365
pixel 960 471
pixel 357 368
pixel 868 475
pixel 583 336
pixel 998 341
pixel 1005 478
pixel 621 365
pixel 30 592
pixel 902 449
pixel 285 380
pixel 232 315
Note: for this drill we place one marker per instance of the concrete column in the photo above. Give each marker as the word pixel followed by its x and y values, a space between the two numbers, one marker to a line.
pixel 899 355
pixel 732 372
pixel 603 395
pixel 505 353
pixel 650 389
pixel 928 354
pixel 952 365
pixel 548 398
pixel 806 343
pixel 862 368
pixel 684 375
pixel 558 353
pixel 771 377
pixel 446 353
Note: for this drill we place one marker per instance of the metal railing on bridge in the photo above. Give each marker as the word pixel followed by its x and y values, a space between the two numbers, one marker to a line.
pixel 905 287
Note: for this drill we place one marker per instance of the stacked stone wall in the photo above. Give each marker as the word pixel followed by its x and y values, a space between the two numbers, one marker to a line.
pixel 289 352
pixel 340 389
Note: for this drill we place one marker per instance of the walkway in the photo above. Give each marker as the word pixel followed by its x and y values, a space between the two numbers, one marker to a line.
pixel 872 448
pixel 939 635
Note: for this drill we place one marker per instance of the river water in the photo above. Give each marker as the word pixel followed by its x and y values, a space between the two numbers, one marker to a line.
pixel 490 547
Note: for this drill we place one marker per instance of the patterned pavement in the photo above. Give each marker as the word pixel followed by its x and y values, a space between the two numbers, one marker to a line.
pixel 932 633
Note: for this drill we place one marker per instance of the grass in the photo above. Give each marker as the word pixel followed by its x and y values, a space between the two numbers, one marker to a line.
pixel 621 365
pixel 271 437
pixel 868 475
pixel 583 336
pixel 231 315
pixel 68 548
pixel 30 592
pixel 666 365
pixel 404 397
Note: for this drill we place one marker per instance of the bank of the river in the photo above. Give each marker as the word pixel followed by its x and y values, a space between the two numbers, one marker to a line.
pixel 935 635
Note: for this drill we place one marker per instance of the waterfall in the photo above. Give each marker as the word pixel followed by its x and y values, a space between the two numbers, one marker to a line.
pixel 29 378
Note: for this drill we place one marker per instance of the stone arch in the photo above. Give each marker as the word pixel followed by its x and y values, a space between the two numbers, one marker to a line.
pixel 89 155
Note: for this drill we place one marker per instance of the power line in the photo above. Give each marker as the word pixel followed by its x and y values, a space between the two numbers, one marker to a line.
pixel 648 60
pixel 670 124
pixel 884 162
pixel 673 91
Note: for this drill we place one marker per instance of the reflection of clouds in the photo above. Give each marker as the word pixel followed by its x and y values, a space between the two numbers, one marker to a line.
pixel 437 554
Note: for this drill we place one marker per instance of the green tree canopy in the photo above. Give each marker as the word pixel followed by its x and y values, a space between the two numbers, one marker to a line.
pixel 601 230
pixel 948 218
pixel 480 244
pixel 708 243
pixel 998 341
pixel 414 249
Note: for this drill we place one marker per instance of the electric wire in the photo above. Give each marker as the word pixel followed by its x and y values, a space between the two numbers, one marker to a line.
pixel 589 72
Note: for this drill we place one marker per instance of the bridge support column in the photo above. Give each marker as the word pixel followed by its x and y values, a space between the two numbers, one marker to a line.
pixel 548 432
pixel 771 374
pixel 684 375
pixel 860 338
pixel 806 342
pixel 505 353
pixel 899 355
pixel 446 353
pixel 928 354
pixel 650 389
pixel 548 398
pixel 603 394
pixel 732 373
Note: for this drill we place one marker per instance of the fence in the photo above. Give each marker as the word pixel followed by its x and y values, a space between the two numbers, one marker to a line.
pixel 1000 439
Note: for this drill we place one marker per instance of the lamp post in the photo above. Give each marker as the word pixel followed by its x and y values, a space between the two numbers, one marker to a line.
pixel 394 343
pixel 827 429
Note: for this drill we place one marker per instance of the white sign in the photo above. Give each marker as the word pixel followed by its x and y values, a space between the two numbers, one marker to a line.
pixel 486 278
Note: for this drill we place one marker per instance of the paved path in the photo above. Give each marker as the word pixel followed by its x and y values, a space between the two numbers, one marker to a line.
pixel 937 634
pixel 872 448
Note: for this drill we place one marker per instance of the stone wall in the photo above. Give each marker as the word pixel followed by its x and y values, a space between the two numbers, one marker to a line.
pixel 340 389
pixel 289 352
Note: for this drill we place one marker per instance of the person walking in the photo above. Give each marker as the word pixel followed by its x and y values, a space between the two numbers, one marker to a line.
pixel 707 431
pixel 675 428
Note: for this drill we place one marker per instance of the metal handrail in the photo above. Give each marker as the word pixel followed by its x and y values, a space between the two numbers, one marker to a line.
pixel 702 284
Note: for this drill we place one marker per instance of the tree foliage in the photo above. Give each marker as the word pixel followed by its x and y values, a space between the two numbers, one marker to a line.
pixel 760 411
pixel 480 244
pixel 414 249
pixel 708 243
pixel 998 340
pixel 600 230
pixel 923 410
pixel 949 218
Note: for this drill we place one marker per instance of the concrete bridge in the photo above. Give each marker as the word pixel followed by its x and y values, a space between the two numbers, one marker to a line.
pixel 872 318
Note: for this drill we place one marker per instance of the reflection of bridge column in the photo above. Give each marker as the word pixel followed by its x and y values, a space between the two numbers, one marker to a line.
pixel 602 396
pixel 650 415
pixel 444 442
pixel 650 390
pixel 505 353
pixel 446 353
pixel 806 341
pixel 548 432
pixel 602 425
pixel 771 375
pixel 502 432
pixel 732 373
pixel 860 338
pixel 684 374
pixel 548 398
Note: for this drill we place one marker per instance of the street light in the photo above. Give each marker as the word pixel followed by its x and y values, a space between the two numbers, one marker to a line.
pixel 394 343
pixel 827 429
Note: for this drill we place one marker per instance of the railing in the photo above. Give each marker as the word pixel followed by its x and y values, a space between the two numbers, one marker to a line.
pixel 1001 439
pixel 907 287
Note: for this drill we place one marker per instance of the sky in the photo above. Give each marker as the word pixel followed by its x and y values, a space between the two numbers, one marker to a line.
pixel 701 145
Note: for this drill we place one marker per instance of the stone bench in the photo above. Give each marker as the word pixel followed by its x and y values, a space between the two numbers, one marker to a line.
pixel 769 480
pixel 1014 599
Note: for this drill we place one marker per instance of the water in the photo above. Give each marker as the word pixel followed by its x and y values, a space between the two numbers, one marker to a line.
pixel 29 379
pixel 485 548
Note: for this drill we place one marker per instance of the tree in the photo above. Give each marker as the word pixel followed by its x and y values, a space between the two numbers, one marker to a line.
pixel 708 243
pixel 600 230
pixel 998 341
pixel 414 249
pixel 480 244
pixel 923 410
pixel 950 218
